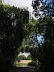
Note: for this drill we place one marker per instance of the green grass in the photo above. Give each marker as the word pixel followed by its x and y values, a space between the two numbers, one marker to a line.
pixel 25 64
pixel 17 65
pixel 20 65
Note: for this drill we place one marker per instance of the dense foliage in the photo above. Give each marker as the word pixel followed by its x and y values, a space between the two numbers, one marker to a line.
pixel 46 51
pixel 43 51
pixel 12 21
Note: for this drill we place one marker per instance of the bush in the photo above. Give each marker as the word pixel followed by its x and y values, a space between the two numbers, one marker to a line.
pixel 21 57
pixel 32 63
pixel 29 57
pixel 36 65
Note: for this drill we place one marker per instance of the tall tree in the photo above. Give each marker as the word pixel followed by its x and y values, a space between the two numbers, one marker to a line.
pixel 12 21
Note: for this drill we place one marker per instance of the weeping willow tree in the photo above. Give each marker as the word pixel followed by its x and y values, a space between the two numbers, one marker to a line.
pixel 12 21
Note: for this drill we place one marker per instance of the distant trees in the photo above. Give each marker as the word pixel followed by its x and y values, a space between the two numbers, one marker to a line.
pixel 29 57
pixel 21 57
pixel 12 21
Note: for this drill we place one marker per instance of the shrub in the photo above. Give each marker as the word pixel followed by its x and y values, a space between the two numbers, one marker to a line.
pixel 32 63
pixel 36 65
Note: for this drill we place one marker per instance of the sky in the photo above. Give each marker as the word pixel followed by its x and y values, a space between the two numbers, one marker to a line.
pixel 26 54
pixel 20 3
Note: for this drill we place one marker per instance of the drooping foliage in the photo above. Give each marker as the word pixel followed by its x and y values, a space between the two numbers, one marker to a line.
pixel 12 21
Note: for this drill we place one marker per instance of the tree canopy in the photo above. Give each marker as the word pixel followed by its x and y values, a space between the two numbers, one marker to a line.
pixel 44 6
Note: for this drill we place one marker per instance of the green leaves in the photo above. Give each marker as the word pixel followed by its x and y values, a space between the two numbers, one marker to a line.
pixel 12 21
pixel 43 6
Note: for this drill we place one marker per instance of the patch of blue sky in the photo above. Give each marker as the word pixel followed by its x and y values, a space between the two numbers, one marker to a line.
pixel 40 39
pixel 44 1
